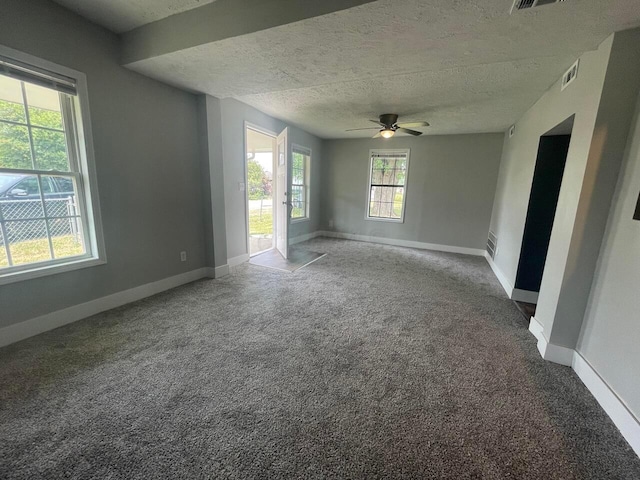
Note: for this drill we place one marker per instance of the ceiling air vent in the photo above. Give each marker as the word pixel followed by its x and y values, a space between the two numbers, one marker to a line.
pixel 526 4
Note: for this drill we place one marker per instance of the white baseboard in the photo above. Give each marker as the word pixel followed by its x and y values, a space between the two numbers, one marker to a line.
pixel 403 243
pixel 34 326
pixel 239 260
pixel 502 278
pixel 555 353
pixel 304 238
pixel 536 328
pixel 526 296
pixel 610 402
pixel 220 271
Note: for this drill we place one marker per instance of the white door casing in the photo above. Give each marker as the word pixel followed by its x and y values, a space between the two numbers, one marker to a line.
pixel 282 203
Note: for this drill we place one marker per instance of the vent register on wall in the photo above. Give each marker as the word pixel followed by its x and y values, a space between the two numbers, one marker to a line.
pixel 527 4
pixel 492 245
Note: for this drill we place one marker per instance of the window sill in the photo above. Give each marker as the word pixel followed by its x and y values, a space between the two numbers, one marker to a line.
pixel 47 270
pixel 299 220
pixel 389 220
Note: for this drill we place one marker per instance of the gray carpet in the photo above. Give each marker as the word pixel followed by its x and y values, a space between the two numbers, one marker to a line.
pixel 296 259
pixel 374 362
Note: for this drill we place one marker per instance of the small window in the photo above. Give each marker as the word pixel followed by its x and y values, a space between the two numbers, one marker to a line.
pixel 387 184
pixel 47 220
pixel 300 183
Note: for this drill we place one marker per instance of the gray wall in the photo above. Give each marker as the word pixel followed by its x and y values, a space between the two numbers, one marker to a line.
pixel 518 164
pixel 234 115
pixel 606 152
pixel 147 162
pixel 610 332
pixel 450 190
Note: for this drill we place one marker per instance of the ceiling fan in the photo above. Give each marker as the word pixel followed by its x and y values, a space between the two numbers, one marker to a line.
pixel 389 124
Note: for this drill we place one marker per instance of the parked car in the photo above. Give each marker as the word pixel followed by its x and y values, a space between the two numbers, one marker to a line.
pixel 25 187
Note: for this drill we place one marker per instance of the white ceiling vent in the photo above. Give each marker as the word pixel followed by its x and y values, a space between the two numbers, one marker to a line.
pixel 526 4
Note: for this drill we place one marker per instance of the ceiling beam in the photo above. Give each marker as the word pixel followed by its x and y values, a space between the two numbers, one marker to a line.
pixel 219 20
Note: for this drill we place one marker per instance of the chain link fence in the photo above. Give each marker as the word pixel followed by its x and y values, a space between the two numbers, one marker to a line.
pixel 24 219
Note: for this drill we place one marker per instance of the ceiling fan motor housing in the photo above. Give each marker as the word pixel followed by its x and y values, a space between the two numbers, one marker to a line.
pixel 389 119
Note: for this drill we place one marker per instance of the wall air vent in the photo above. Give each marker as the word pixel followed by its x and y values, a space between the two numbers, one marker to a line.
pixel 492 245
pixel 527 4
pixel 570 75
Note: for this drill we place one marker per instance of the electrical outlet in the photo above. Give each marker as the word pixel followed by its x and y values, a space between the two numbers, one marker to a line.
pixel 331 223
pixel 241 186
pixel 183 256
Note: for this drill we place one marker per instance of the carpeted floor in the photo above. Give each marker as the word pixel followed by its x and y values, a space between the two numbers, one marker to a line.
pixel 373 362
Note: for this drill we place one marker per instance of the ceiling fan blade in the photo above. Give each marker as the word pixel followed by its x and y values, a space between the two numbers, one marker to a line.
pixel 413 124
pixel 377 122
pixel 377 135
pixel 356 129
pixel 410 132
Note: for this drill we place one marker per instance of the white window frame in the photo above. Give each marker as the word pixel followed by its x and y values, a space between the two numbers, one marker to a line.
pixel 379 151
pixel 307 180
pixel 85 178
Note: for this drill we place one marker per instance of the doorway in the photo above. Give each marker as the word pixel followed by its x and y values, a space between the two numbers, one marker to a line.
pixel 543 201
pixel 260 168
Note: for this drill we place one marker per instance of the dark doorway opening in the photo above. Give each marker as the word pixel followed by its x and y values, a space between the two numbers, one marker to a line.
pixel 545 190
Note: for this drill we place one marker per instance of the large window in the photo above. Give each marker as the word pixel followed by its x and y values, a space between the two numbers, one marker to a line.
pixel 387 184
pixel 46 214
pixel 300 183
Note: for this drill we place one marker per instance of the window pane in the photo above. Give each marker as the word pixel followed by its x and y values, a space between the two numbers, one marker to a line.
pixel 11 107
pixel 60 196
pixel 28 241
pixel 374 209
pixel 397 203
pixel 44 106
pixel 298 202
pixel 298 161
pixel 15 151
pixel 381 202
pixel 20 197
pixel 66 237
pixel 50 149
pixel 4 260
pixel 401 172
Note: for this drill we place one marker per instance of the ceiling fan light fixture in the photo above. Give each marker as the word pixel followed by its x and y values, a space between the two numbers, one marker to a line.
pixel 387 132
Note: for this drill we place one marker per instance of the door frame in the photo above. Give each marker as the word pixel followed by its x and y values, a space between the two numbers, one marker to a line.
pixel 274 136
pixel 283 200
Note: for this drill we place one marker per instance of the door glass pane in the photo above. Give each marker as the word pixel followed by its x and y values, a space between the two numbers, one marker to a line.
pixel 11 106
pixel 20 197
pixel 67 237
pixel 28 241
pixel 44 106
pixel 15 150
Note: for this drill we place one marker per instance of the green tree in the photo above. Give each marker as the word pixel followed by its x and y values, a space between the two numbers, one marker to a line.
pixel 256 177
pixel 49 145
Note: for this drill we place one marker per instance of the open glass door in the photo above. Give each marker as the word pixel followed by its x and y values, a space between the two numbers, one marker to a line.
pixel 283 204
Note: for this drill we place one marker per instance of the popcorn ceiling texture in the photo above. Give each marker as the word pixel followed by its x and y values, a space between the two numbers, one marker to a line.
pixel 123 15
pixel 466 67
pixel 373 362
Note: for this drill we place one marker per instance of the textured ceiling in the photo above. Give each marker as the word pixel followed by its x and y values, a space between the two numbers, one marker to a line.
pixel 123 15
pixel 463 65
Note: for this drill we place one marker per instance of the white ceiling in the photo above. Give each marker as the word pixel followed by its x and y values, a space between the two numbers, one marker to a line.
pixel 463 65
pixel 124 15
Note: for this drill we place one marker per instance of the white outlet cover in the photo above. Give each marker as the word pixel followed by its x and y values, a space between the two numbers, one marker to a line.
pixel 241 186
